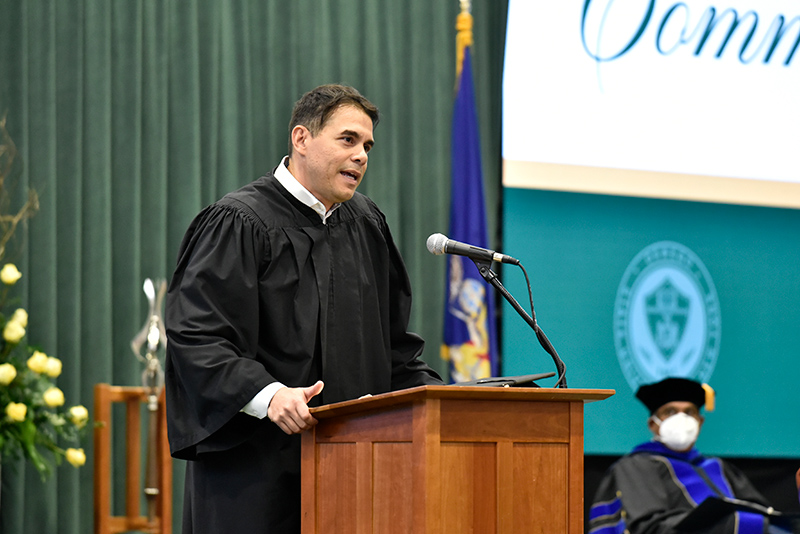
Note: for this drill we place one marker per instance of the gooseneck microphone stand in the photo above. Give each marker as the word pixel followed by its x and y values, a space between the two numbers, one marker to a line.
pixel 491 277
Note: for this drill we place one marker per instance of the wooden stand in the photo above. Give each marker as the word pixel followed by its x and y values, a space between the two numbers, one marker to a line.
pixel 447 459
pixel 104 522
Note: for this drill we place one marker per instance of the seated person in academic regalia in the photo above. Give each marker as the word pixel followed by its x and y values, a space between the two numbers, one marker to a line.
pixel 653 488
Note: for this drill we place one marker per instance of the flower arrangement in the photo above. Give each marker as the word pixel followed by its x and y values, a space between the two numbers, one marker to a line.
pixel 33 415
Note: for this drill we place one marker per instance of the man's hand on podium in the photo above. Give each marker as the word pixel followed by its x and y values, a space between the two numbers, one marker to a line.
pixel 289 408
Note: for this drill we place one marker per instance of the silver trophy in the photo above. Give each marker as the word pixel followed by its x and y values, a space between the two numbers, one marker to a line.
pixel 153 337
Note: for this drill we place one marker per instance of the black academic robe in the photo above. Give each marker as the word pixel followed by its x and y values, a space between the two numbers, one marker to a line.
pixel 264 292
pixel 653 488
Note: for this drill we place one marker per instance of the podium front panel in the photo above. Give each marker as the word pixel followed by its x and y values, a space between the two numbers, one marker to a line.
pixel 430 463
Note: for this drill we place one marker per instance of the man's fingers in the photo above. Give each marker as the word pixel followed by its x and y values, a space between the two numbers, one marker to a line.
pixel 289 426
pixel 295 423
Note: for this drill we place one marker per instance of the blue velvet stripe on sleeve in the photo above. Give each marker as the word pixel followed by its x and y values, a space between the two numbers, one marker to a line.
pixel 602 509
pixel 605 513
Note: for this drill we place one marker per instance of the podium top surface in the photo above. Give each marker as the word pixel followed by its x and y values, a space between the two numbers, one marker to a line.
pixel 452 392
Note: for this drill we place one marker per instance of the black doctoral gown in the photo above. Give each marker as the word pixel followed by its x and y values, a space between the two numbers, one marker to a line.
pixel 263 292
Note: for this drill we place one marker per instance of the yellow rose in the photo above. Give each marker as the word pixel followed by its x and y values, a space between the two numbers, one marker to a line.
pixel 76 457
pixel 10 274
pixel 7 374
pixel 20 316
pixel 53 397
pixel 16 411
pixel 79 415
pixel 13 332
pixel 53 367
pixel 38 362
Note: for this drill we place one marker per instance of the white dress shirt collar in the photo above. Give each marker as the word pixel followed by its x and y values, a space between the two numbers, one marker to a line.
pixel 299 192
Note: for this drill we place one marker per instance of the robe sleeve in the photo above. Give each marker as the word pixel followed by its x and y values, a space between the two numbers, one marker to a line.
pixel 632 497
pixel 212 317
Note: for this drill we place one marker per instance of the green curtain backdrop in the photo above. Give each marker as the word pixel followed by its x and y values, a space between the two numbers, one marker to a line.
pixel 131 115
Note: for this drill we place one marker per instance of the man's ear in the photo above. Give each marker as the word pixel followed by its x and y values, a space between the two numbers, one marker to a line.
pixel 300 135
pixel 652 425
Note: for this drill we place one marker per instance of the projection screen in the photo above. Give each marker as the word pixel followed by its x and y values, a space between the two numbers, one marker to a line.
pixel 692 100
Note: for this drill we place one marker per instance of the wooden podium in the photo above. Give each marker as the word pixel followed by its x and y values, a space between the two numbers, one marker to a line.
pixel 447 460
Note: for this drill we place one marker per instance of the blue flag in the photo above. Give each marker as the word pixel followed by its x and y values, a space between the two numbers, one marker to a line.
pixel 470 344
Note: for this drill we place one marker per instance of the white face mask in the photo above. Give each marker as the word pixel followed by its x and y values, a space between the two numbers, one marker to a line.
pixel 678 432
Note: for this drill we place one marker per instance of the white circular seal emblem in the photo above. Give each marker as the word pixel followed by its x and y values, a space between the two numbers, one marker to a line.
pixel 666 316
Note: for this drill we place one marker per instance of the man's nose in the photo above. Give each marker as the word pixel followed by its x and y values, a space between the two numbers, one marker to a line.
pixel 361 156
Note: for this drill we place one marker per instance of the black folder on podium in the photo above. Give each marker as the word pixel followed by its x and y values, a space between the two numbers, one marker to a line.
pixel 526 381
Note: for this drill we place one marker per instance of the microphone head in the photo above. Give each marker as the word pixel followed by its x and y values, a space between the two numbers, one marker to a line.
pixel 436 243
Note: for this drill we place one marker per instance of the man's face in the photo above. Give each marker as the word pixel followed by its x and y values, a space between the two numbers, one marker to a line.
pixel 335 160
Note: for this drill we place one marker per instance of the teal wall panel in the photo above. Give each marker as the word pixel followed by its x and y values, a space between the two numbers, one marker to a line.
pixel 576 248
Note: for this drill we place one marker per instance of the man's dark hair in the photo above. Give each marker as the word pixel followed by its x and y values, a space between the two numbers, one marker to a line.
pixel 316 106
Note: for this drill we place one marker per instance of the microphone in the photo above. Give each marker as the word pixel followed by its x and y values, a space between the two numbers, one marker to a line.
pixel 439 244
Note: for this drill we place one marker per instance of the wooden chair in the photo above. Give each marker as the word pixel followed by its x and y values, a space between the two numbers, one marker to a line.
pixel 104 521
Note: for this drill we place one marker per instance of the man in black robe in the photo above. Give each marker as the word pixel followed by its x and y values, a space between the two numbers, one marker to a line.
pixel 655 487
pixel 288 285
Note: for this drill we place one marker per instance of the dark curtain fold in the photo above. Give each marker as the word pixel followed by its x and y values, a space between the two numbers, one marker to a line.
pixel 131 115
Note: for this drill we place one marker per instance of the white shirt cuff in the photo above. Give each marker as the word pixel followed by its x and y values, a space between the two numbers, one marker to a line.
pixel 259 405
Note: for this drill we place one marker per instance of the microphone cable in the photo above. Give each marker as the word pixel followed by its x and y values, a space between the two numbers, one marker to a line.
pixel 542 337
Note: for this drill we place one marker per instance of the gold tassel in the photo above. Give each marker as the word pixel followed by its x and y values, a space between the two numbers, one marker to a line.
pixel 463 35
pixel 710 397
